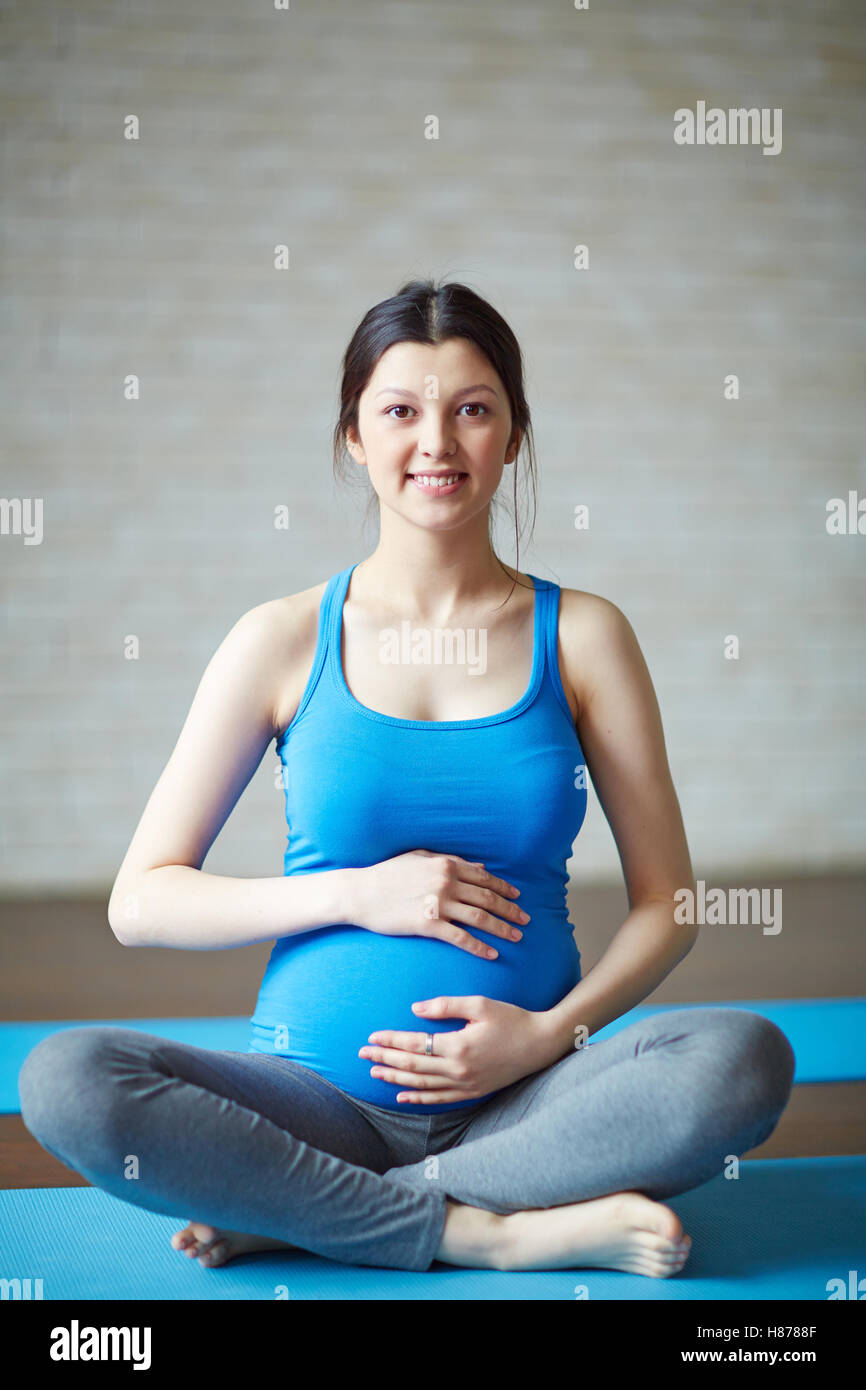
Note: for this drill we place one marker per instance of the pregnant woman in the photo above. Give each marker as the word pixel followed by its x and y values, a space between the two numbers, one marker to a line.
pixel 421 1082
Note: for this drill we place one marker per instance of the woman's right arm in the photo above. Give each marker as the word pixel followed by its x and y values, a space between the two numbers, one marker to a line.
pixel 161 896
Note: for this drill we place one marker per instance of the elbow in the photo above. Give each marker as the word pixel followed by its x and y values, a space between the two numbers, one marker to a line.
pixel 120 930
pixel 687 934
pixel 123 914
pixel 682 930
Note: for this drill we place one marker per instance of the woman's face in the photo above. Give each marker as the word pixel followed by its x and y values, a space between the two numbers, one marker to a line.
pixel 434 410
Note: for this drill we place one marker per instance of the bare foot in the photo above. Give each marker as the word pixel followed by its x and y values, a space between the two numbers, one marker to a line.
pixel 624 1230
pixel 213 1246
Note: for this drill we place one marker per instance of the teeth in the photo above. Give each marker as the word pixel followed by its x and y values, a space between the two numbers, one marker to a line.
pixel 434 481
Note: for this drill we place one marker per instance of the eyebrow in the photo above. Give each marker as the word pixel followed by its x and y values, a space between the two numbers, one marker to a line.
pixel 464 390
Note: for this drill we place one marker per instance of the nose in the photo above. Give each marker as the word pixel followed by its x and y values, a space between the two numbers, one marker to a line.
pixel 435 441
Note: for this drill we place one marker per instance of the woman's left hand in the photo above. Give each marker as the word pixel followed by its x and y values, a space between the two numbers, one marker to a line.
pixel 499 1044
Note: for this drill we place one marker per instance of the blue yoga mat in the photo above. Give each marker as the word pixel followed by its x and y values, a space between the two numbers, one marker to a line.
pixel 786 1228
pixel 828 1036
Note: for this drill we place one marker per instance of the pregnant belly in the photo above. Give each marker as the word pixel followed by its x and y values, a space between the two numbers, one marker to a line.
pixel 323 994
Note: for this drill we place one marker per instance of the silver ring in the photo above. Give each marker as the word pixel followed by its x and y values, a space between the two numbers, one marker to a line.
pixel 429 1048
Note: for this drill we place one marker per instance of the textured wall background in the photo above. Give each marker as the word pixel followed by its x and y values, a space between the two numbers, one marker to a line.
pixel 306 126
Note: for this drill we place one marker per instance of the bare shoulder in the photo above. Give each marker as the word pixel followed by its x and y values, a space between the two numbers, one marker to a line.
pixel 591 630
pixel 588 617
pixel 291 624
pixel 292 613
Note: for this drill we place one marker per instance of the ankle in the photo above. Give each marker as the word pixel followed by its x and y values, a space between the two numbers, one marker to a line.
pixel 473 1237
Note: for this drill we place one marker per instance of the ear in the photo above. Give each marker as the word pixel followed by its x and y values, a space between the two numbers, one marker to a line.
pixel 353 444
pixel 513 445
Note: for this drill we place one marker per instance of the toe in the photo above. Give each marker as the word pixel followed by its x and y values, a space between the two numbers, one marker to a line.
pixel 644 1213
pixel 201 1236
pixel 181 1239
pixel 669 1226
pixel 215 1254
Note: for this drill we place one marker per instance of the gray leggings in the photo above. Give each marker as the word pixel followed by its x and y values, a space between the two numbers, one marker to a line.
pixel 261 1144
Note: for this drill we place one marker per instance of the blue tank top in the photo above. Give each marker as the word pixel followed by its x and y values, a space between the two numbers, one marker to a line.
pixel 507 789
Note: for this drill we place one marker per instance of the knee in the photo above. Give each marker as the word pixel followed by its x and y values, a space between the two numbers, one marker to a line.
pixel 61 1078
pixel 774 1061
pixel 761 1059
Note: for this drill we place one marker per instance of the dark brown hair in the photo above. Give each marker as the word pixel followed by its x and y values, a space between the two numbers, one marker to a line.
pixel 421 312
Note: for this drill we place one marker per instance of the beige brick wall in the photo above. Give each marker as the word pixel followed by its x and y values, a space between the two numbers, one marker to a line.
pixel 306 126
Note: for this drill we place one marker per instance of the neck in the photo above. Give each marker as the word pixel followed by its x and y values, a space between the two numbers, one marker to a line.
pixel 432 588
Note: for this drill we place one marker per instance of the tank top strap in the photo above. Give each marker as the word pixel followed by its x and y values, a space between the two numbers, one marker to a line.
pixel 549 598
pixel 332 604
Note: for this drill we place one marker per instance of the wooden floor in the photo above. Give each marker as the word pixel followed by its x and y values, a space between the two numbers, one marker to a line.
pixel 61 961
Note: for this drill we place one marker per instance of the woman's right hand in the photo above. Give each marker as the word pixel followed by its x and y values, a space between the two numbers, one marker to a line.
pixel 419 892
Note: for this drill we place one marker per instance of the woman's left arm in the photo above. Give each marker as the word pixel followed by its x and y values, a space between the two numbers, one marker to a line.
pixel 620 731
